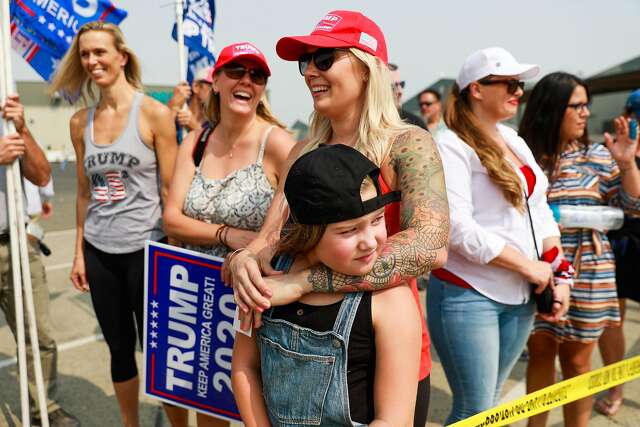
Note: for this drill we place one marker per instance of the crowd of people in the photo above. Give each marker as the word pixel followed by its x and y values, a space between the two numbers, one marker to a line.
pixel 324 239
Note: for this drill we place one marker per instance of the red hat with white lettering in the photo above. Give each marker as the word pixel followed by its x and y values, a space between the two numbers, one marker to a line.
pixel 339 28
pixel 244 50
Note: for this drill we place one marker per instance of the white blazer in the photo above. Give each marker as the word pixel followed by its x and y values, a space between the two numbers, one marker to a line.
pixel 483 221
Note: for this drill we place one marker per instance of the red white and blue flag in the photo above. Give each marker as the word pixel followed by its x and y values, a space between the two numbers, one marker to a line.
pixel 42 30
pixel 198 21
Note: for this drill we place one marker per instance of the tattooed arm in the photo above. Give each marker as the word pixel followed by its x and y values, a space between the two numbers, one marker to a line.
pixel 424 220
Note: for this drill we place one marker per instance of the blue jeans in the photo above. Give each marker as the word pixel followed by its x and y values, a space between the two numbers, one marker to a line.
pixel 478 341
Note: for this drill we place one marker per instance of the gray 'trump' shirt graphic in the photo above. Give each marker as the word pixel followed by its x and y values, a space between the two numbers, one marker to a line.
pixel 125 206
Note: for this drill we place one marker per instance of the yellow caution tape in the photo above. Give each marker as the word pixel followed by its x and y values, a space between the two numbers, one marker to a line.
pixel 556 395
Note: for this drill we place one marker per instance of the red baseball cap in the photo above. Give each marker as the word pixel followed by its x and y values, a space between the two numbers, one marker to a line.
pixel 244 50
pixel 339 28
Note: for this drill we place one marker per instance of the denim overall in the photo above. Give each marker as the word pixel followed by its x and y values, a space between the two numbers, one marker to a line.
pixel 304 372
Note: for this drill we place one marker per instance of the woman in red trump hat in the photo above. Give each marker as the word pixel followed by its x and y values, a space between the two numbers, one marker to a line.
pixel 344 64
pixel 227 173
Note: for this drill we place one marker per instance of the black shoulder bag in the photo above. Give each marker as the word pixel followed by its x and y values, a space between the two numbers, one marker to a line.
pixel 544 300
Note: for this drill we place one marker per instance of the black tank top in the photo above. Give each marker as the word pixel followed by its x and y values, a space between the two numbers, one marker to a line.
pixel 361 352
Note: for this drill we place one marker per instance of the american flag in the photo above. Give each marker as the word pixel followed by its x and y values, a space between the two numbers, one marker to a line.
pixel 108 187
pixel 100 188
pixel 116 186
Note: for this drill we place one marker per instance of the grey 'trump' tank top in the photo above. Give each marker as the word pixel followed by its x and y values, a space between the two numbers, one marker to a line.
pixel 125 207
pixel 240 200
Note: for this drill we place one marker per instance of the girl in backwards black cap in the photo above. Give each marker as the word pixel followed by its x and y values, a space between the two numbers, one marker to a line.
pixel 329 358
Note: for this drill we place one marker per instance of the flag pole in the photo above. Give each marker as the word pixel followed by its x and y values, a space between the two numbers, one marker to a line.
pixel 182 72
pixel 8 128
pixel 180 36
pixel 18 238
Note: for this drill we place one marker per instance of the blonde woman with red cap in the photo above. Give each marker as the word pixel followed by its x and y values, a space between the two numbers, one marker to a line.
pixel 344 64
pixel 227 173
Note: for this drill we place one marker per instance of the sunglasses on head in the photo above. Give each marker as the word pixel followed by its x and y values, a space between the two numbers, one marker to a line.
pixel 322 58
pixel 236 72
pixel 512 84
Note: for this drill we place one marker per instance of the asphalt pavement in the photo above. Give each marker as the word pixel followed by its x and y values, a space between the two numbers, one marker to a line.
pixel 85 388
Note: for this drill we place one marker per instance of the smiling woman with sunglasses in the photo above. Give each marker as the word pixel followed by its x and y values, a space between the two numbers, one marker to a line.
pixel 480 306
pixel 344 64
pixel 226 174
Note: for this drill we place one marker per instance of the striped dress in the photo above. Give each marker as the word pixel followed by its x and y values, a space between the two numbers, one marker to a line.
pixel 588 175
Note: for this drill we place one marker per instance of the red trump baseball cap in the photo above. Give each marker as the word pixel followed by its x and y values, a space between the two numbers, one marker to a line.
pixel 339 28
pixel 244 50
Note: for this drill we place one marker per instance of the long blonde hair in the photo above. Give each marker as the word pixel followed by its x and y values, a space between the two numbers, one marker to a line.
pixel 72 79
pixel 212 109
pixel 460 118
pixel 380 121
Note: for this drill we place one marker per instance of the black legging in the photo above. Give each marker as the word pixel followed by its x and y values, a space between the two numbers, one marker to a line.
pixel 422 403
pixel 116 282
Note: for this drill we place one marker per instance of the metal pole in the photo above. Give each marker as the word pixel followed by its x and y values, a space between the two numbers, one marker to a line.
pixel 182 72
pixel 19 236
pixel 180 36
pixel 8 128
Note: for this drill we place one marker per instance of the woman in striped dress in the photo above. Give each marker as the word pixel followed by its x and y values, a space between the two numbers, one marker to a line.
pixel 580 173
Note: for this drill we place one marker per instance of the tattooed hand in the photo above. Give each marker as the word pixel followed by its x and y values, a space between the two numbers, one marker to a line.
pixel 424 220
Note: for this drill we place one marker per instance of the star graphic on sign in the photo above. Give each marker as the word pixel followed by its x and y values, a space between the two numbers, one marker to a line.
pixel 60 33
pixel 154 314
pixel 154 334
pixel 154 324
pixel 154 344
pixel 54 63
pixel 154 304
pixel 51 26
pixel 42 19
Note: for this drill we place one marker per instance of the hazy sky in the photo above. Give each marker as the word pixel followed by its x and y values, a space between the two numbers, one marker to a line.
pixel 428 39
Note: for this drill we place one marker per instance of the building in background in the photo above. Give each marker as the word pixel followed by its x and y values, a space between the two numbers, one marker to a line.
pixel 300 130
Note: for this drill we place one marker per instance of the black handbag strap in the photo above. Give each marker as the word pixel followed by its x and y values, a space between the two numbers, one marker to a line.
pixel 533 232
pixel 198 150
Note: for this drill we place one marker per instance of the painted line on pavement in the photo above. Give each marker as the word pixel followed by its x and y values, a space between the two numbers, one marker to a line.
pixel 62 347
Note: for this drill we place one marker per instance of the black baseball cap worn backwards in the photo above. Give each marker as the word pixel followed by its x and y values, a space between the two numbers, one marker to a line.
pixel 323 186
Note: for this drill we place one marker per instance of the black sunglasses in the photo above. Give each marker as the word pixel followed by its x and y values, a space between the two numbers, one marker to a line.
pixel 426 104
pixel 236 72
pixel 400 84
pixel 512 84
pixel 323 59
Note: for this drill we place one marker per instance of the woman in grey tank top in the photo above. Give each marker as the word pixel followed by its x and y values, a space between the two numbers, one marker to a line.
pixel 125 149
pixel 226 177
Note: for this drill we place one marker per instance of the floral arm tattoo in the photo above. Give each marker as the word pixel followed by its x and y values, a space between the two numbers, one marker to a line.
pixel 424 221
